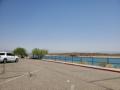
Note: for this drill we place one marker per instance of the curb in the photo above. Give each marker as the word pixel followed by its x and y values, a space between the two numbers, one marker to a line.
pixel 86 66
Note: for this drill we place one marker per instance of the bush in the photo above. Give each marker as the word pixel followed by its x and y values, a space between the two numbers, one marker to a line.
pixel 39 53
pixel 103 64
pixel 21 52
pixel 109 65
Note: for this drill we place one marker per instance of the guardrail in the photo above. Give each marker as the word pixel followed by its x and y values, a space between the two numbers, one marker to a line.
pixel 99 61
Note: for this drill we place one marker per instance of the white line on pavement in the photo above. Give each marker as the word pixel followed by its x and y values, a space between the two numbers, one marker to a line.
pixel 12 79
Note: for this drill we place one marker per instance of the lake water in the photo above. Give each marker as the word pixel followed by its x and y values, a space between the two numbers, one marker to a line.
pixel 99 61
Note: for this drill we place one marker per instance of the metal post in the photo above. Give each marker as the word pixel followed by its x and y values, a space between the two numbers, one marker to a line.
pixel 107 60
pixel 92 61
pixel 59 58
pixel 65 58
pixel 81 60
pixel 4 67
pixel 72 59
pixel 55 58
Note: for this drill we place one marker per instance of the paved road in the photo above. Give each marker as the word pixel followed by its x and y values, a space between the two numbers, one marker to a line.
pixel 42 75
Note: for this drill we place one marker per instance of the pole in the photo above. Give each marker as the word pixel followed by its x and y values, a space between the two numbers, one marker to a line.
pixel 92 61
pixel 107 60
pixel 81 59
pixel 55 58
pixel 65 58
pixel 4 62
pixel 72 59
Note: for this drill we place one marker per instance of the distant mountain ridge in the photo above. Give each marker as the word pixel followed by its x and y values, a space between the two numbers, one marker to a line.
pixel 86 54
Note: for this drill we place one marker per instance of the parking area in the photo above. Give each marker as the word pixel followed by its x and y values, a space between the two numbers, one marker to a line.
pixel 42 75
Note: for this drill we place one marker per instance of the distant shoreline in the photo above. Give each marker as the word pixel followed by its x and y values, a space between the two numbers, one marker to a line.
pixel 87 54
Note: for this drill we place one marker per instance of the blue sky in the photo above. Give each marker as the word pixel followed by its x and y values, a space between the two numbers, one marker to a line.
pixel 60 25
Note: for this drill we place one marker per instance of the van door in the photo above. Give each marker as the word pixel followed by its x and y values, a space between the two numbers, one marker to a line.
pixel 10 57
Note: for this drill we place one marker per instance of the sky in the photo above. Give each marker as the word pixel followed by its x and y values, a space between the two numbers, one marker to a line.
pixel 60 25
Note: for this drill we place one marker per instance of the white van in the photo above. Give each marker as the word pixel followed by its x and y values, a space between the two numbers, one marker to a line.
pixel 6 57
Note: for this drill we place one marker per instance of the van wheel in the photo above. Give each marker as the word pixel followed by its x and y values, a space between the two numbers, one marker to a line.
pixel 5 60
pixel 16 60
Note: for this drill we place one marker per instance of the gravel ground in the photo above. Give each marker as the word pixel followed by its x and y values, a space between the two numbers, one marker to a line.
pixel 41 75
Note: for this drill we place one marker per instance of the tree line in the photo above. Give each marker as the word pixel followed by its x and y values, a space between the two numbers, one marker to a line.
pixel 36 52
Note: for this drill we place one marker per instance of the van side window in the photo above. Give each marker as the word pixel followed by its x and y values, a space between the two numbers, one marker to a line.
pixel 2 53
pixel 10 54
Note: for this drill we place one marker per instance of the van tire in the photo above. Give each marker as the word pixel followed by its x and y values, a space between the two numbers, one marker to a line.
pixel 5 60
pixel 16 60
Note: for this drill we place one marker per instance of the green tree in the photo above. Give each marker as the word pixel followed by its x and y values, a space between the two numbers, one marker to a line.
pixel 35 52
pixel 39 53
pixel 21 52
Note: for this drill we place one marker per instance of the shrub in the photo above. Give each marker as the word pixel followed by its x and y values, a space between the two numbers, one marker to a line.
pixel 21 52
pixel 39 53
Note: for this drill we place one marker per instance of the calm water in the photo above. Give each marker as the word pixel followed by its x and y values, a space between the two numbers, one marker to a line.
pixel 88 60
